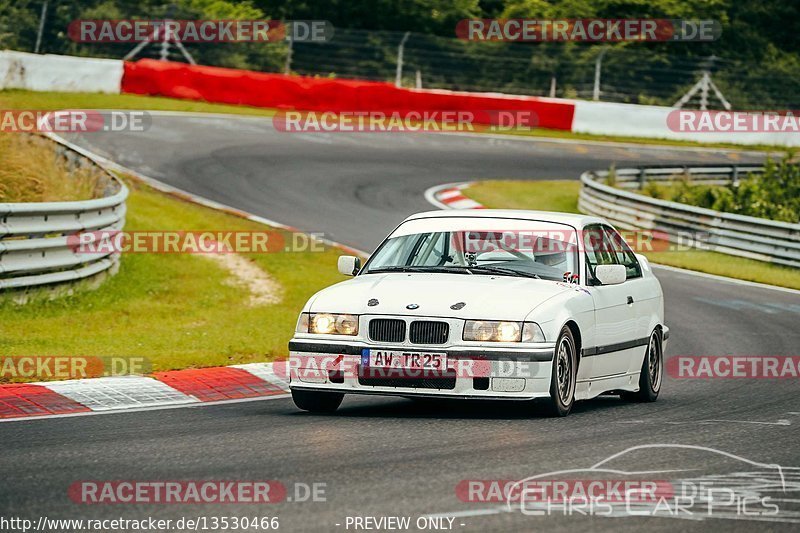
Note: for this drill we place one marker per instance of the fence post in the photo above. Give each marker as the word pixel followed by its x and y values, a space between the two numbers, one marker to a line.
pixel 398 79
pixel 287 67
pixel 597 67
pixel 41 28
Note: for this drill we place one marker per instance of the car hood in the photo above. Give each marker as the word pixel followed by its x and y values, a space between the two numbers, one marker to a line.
pixel 485 297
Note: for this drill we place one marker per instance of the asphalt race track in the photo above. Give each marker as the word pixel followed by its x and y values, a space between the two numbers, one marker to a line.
pixel 385 456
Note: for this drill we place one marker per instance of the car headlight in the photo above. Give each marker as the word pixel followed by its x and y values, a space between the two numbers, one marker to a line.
pixel 531 332
pixel 327 323
pixel 502 331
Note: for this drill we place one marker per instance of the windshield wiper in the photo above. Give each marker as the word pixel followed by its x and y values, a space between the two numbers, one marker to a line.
pixel 447 269
pixel 502 270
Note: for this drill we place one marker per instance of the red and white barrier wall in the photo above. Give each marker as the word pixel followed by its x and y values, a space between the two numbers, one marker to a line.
pixel 231 86
pixel 215 84
pixel 34 72
pixel 653 122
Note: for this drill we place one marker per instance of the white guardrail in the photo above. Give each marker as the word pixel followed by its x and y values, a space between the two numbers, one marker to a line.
pixel 37 240
pixel 743 236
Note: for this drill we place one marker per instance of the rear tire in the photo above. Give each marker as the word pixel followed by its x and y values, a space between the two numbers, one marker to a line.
pixel 652 372
pixel 563 376
pixel 317 401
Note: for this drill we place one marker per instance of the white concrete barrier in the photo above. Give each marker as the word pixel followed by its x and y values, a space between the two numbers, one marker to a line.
pixel 20 70
pixel 34 72
pixel 606 118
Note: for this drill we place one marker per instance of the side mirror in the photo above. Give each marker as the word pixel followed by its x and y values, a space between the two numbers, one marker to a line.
pixel 610 274
pixel 349 265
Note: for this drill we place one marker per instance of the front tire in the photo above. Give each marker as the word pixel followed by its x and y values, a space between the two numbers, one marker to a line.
pixel 652 372
pixel 563 376
pixel 317 401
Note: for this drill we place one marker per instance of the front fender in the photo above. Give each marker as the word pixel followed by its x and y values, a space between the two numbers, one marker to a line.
pixel 575 305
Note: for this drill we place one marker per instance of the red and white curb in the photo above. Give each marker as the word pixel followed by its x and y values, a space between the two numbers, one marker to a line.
pixel 449 196
pixel 194 386
pixel 162 390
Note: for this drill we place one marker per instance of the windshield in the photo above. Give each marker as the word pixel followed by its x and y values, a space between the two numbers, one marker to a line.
pixel 548 253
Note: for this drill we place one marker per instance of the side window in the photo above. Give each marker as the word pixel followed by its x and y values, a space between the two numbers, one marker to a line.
pixel 598 249
pixel 623 255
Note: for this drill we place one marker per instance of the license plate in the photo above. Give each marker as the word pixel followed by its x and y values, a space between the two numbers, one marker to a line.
pixel 417 360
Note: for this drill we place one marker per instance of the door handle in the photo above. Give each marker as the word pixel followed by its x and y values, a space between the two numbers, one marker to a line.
pixel 630 300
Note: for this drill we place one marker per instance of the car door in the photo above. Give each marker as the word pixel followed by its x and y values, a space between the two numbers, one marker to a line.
pixel 644 293
pixel 614 307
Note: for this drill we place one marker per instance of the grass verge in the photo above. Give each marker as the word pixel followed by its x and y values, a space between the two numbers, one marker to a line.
pixel 48 101
pixel 568 135
pixel 31 172
pixel 563 196
pixel 20 99
pixel 176 310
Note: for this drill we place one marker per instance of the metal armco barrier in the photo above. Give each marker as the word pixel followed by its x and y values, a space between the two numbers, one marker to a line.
pixel 34 246
pixel 743 236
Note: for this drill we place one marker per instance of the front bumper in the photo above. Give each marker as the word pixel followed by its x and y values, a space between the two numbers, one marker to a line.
pixel 472 372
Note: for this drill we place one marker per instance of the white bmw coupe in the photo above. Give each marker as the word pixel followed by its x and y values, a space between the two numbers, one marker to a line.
pixel 486 304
